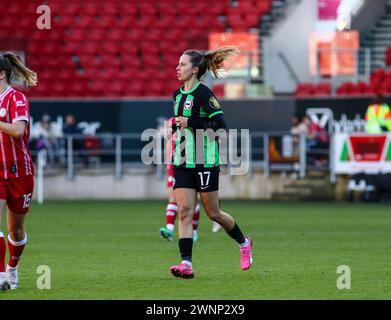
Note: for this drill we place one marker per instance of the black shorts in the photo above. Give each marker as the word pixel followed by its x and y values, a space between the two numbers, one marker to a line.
pixel 202 180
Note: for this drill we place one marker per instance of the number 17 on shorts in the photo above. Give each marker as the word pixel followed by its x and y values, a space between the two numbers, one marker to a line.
pixel 208 181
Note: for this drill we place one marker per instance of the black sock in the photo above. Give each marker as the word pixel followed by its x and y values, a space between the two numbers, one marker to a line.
pixel 186 248
pixel 237 234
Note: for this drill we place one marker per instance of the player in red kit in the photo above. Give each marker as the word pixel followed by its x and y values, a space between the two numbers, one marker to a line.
pixel 172 208
pixel 16 166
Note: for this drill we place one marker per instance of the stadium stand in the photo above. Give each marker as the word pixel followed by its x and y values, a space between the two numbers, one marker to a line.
pixel 378 42
pixel 95 41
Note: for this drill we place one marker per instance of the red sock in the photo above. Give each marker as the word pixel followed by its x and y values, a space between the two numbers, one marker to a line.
pixel 171 213
pixel 196 217
pixel 15 249
pixel 3 250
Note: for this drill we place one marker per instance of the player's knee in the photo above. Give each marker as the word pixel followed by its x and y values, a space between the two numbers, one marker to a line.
pixel 214 215
pixel 185 212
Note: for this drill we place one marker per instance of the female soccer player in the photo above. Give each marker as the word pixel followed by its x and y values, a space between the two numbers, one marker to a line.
pixel 172 208
pixel 196 107
pixel 16 166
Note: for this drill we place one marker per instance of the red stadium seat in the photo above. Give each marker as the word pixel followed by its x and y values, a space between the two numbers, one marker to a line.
pixel 110 47
pixel 201 7
pixel 130 62
pixel 90 9
pixel 8 22
pixel 218 9
pixel 89 48
pixel 151 61
pixel 184 22
pixel 95 35
pixel 135 35
pixel 165 22
pixel 252 20
pixel 111 9
pixel 125 21
pixel 116 35
pixel 105 22
pixel 128 48
pixel 109 61
pixel 76 35
pixel 167 9
pixel 153 35
pixel 145 22
pixel 236 21
pixel 345 88
pixel 117 88
pixel 71 9
pixel 85 22
pixel 128 9
pixel 173 36
pixel 64 74
pixel 154 88
pixel 262 7
pixel 378 74
pixel 322 89
pixel 66 21
pixel 59 89
pixel 135 88
pixel 148 9
pixel 149 48
pixel 304 89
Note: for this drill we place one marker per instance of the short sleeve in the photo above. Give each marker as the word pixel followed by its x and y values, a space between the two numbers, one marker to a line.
pixel 210 104
pixel 19 107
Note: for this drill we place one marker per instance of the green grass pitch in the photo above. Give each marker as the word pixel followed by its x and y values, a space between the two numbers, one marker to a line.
pixel 113 250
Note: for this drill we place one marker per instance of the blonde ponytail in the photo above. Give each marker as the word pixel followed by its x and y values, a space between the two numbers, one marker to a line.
pixel 215 58
pixel 212 60
pixel 20 71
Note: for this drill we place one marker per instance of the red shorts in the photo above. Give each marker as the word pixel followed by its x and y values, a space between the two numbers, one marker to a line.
pixel 18 193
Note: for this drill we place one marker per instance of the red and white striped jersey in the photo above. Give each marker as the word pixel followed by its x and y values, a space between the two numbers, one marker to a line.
pixel 15 158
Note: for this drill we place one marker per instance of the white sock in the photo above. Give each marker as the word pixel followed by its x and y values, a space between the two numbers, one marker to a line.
pixel 245 243
pixel 188 263
pixel 170 227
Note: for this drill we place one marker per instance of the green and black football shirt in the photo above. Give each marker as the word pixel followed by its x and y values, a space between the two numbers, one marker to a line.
pixel 199 102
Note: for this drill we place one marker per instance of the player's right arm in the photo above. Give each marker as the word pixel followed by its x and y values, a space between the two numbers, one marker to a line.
pixel 19 114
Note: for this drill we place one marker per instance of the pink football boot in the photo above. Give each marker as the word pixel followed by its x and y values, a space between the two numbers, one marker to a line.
pixel 182 271
pixel 246 258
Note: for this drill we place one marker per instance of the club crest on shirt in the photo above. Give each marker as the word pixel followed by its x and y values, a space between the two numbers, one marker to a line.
pixel 213 103
pixel 188 104
pixel 3 112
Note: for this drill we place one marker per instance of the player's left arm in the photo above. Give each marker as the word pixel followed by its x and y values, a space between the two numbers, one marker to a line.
pixel 19 114
pixel 215 118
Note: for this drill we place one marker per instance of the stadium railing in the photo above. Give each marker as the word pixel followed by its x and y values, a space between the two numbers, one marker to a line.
pixel 120 154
